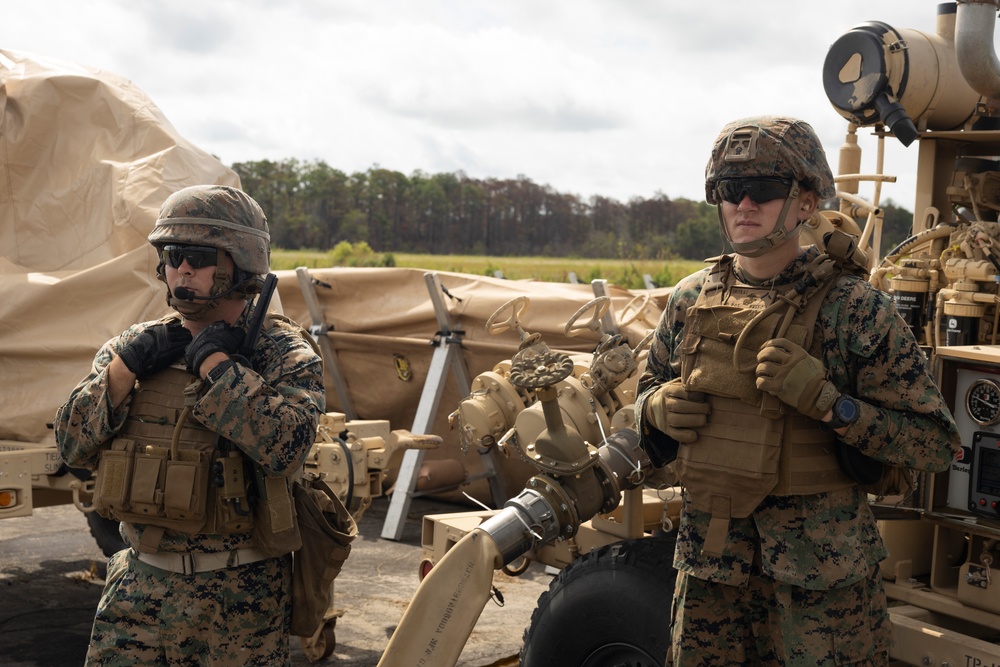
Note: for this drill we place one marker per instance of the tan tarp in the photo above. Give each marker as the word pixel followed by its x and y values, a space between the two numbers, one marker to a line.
pixel 86 161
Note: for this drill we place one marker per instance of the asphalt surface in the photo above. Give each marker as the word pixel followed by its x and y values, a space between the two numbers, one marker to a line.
pixel 50 583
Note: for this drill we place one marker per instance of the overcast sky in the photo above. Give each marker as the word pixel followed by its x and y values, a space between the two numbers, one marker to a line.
pixel 617 98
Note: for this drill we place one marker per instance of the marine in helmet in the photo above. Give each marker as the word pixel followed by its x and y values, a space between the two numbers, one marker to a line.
pixel 194 436
pixel 221 227
pixel 777 381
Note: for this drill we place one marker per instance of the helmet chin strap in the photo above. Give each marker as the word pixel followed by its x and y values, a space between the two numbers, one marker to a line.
pixel 777 236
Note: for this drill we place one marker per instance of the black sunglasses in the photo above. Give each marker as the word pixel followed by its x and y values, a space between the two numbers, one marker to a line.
pixel 760 190
pixel 197 256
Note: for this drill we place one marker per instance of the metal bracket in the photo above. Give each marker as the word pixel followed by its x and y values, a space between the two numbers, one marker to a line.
pixel 447 355
pixel 608 323
pixel 318 332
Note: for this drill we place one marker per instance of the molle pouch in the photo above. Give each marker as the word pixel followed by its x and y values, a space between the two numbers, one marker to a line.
pixel 327 530
pixel 233 513
pixel 732 466
pixel 709 348
pixel 114 478
pixel 148 468
pixel 186 496
pixel 707 352
pixel 275 530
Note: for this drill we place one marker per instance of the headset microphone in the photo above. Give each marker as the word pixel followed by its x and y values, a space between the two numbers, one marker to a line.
pixel 184 294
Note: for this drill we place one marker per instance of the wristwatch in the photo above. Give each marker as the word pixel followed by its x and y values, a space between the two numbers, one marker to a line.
pixel 845 412
pixel 218 370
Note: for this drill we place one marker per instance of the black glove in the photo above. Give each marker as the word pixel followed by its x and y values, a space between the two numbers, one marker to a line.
pixel 155 348
pixel 216 337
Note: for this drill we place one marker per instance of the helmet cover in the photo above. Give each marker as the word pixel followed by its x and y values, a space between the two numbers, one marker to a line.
pixel 769 146
pixel 219 216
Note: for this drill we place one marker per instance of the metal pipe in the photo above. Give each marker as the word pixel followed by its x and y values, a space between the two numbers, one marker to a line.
pixel 444 610
pixel 977 58
pixel 439 619
pixel 527 520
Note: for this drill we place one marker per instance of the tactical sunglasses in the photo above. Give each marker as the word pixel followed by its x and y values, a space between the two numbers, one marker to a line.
pixel 197 256
pixel 760 190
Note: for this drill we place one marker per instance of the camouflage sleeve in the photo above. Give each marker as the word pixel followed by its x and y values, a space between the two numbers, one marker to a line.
pixel 663 365
pixel 87 419
pixel 271 414
pixel 873 357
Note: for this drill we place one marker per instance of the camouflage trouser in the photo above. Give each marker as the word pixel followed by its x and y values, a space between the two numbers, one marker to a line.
pixel 231 617
pixel 774 624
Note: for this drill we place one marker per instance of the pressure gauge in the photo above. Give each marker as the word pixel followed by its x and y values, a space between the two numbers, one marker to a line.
pixel 983 402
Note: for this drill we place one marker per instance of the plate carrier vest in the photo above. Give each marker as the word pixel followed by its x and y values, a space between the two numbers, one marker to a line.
pixel 754 445
pixel 165 470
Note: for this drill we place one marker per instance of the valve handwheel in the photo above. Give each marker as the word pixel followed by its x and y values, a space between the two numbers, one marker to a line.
pixel 634 310
pixel 513 310
pixel 597 308
pixel 533 368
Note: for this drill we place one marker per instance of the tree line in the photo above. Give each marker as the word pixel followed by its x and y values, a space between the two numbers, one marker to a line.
pixel 311 205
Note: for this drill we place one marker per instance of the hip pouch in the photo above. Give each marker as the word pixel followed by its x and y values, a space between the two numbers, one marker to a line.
pixel 327 532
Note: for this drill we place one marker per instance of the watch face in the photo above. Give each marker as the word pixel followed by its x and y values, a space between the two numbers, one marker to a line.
pixel 982 402
pixel 847 410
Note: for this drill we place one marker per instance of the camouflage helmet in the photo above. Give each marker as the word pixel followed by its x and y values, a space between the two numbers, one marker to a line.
pixel 769 146
pixel 219 216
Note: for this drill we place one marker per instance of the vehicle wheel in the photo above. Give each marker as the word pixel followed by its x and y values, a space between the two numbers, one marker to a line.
pixel 609 607
pixel 105 532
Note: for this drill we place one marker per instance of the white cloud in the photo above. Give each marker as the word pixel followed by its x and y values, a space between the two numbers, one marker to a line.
pixel 619 99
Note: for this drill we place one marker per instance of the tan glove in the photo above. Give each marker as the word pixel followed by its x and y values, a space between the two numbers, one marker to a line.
pixel 787 371
pixel 677 411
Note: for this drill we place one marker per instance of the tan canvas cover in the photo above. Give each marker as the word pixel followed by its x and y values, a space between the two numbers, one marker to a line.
pixel 380 317
pixel 86 161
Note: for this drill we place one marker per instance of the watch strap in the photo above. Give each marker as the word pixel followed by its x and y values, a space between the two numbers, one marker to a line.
pixel 218 371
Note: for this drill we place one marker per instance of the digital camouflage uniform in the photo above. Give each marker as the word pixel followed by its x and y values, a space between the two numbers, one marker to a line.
pixel 798 581
pixel 232 616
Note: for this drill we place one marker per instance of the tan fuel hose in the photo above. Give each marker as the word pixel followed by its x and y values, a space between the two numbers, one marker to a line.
pixel 439 619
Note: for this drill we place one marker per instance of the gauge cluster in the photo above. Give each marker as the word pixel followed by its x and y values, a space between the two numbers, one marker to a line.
pixel 982 401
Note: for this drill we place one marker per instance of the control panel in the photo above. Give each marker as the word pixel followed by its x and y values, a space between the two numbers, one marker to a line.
pixel 969 378
pixel 984 480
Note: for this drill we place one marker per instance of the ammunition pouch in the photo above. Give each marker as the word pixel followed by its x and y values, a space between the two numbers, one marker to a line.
pixel 169 471
pixel 275 526
pixel 143 483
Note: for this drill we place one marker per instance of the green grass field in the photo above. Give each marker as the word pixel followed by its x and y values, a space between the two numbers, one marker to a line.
pixel 622 272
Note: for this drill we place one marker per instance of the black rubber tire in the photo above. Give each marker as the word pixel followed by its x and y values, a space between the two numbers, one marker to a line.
pixel 105 532
pixel 609 607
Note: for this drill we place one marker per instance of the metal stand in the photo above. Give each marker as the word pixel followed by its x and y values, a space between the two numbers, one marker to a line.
pixel 318 331
pixel 608 323
pixel 447 355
